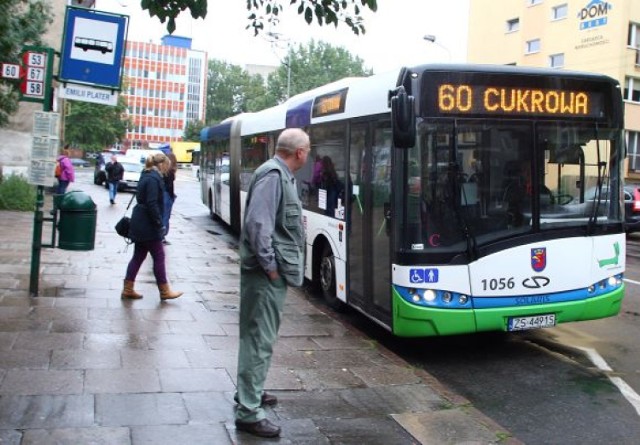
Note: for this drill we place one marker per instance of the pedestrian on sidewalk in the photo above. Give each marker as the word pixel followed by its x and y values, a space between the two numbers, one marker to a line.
pixel 169 194
pixel 271 257
pixel 115 172
pixel 65 173
pixel 147 230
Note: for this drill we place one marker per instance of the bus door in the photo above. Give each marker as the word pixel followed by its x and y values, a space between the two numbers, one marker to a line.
pixel 220 154
pixel 369 231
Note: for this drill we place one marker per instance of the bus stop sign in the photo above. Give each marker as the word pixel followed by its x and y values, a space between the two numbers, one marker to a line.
pixel 93 48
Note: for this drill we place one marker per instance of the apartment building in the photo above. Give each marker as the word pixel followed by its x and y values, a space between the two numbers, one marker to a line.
pixel 585 35
pixel 165 88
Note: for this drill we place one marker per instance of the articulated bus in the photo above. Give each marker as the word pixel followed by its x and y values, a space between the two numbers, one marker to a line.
pixel 448 199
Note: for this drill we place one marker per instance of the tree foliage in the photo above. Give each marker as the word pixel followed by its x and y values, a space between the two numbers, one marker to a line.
pixel 325 12
pixel 232 90
pixel 22 22
pixel 93 127
pixel 311 66
pixel 192 131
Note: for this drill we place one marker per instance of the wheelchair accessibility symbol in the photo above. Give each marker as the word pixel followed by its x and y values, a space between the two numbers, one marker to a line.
pixel 418 276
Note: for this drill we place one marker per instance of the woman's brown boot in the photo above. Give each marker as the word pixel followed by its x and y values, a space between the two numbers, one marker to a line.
pixel 166 293
pixel 128 292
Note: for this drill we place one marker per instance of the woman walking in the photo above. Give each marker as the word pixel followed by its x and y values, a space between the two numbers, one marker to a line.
pixel 169 194
pixel 147 230
pixel 65 173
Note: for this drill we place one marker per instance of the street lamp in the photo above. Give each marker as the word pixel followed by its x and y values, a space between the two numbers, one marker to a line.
pixel 431 38
pixel 274 39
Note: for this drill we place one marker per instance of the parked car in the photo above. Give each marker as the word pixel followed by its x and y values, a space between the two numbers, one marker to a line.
pixel 631 204
pixel 131 177
pixel 140 155
pixel 79 163
pixel 99 175
pixel 632 208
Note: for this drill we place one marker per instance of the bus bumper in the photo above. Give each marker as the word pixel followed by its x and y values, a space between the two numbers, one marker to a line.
pixel 417 321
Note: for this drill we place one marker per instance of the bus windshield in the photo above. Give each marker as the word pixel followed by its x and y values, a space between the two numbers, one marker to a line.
pixel 473 182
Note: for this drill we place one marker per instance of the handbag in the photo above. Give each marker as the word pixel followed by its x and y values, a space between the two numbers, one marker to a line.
pixel 122 227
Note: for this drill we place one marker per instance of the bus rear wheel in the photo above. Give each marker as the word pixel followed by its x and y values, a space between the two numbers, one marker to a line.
pixel 327 275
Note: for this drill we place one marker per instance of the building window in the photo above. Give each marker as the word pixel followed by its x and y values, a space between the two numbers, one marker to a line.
pixel 559 12
pixel 556 60
pixel 632 89
pixel 513 25
pixel 533 2
pixel 533 46
pixel 633 39
pixel 633 150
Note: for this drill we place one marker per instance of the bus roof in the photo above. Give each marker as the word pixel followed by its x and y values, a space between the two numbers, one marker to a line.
pixel 365 96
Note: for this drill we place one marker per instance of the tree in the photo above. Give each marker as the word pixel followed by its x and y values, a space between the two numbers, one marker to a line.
pixel 192 131
pixel 21 23
pixel 326 12
pixel 93 126
pixel 232 90
pixel 311 66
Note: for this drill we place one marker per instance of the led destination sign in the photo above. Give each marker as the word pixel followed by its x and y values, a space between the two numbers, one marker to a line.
pixel 513 100
pixel 331 103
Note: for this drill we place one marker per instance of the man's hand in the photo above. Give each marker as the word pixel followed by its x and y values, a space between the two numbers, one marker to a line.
pixel 273 275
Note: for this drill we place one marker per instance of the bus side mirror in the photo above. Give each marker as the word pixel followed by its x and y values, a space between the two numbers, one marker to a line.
pixel 403 118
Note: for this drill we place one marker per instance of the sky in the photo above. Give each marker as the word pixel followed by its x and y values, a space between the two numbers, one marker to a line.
pixel 394 34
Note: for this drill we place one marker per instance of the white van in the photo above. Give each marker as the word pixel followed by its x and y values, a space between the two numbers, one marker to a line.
pixel 140 154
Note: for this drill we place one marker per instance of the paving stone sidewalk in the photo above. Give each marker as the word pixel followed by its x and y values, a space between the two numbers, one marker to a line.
pixel 78 365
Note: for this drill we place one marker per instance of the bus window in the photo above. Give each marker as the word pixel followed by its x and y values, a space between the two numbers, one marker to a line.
pixel 324 178
pixel 254 153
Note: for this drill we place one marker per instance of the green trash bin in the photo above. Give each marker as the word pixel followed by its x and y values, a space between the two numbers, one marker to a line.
pixel 77 223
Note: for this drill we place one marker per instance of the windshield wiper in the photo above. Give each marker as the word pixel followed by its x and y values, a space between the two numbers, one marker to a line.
pixel 458 194
pixel 598 197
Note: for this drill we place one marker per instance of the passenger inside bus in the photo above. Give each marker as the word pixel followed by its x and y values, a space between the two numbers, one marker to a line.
pixel 516 196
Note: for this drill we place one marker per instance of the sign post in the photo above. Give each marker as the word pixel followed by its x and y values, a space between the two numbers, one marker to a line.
pixel 36 87
pixel 91 60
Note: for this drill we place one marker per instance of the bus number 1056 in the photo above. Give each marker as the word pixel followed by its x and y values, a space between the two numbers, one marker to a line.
pixel 498 283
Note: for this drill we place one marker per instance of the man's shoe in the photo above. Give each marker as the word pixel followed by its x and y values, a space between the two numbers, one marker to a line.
pixel 266 399
pixel 112 201
pixel 262 428
pixel 269 399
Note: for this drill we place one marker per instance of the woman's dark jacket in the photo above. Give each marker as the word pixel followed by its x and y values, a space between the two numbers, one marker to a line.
pixel 169 179
pixel 146 219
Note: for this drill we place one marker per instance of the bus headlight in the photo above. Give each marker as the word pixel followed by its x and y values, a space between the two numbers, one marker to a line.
pixel 429 295
pixel 434 297
pixel 614 281
pixel 607 285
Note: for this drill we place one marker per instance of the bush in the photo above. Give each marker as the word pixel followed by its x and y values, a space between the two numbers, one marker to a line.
pixel 17 194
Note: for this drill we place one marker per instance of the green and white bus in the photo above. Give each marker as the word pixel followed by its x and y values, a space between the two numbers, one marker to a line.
pixel 448 199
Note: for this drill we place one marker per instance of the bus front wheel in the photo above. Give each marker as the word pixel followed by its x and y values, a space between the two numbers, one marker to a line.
pixel 328 280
